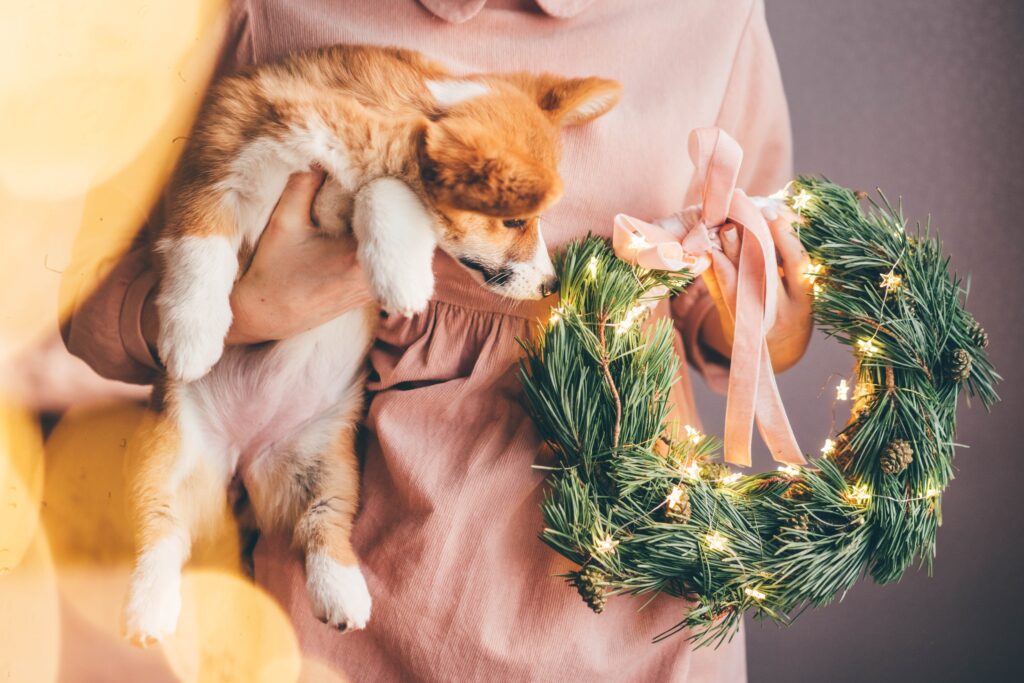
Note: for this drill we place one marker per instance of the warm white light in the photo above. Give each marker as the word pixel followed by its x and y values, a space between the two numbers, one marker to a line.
pixel 829 448
pixel 675 496
pixel 932 493
pixel 813 271
pixel 859 495
pixel 891 281
pixel 789 470
pixel 606 545
pixel 754 593
pixel 693 470
pixel 731 478
pixel 717 541
pixel 592 267
pixel 843 391
pixel 631 317
pixel 802 200
pixel 556 316
pixel 867 347
pixel 692 435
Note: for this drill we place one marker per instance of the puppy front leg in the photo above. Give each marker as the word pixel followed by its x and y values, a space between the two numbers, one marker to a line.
pixel 396 244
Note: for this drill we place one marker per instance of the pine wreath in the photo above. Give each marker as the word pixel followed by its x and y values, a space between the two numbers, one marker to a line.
pixel 644 509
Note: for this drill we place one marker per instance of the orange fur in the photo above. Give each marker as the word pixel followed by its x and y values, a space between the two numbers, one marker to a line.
pixel 480 154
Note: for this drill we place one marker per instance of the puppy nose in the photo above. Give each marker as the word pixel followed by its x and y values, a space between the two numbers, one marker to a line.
pixel 549 287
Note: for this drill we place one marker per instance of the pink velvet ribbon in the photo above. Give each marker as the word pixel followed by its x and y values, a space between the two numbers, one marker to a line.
pixel 751 300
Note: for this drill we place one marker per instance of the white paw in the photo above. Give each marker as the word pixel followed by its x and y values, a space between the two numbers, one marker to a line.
pixel 152 607
pixel 192 342
pixel 405 293
pixel 337 592
pixel 194 303
pixel 396 244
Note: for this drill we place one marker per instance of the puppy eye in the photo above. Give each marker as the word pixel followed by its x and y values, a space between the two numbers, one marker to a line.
pixel 514 223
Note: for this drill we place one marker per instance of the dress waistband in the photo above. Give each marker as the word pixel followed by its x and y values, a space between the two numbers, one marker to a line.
pixel 454 285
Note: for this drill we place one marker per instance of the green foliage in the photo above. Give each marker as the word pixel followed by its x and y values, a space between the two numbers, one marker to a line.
pixel 597 383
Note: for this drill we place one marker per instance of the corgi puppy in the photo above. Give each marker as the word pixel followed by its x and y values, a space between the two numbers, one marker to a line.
pixel 416 159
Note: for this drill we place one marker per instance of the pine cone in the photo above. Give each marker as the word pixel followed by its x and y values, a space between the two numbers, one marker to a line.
pixel 800 522
pixel 897 457
pixel 977 333
pixel 678 512
pixel 588 582
pixel 713 471
pixel 961 368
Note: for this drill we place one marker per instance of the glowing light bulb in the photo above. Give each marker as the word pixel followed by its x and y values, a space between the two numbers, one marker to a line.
pixel 891 281
pixel 802 200
pixel 717 541
pixel 932 493
pixel 731 478
pixel 867 347
pixel 692 435
pixel 859 495
pixel 631 317
pixel 556 316
pixel 754 593
pixel 829 448
pixel 843 391
pixel 813 271
pixel 789 470
pixel 693 470
pixel 592 267
pixel 674 497
pixel 606 545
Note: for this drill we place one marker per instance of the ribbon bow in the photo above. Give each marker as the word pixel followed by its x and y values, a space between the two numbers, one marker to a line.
pixel 686 240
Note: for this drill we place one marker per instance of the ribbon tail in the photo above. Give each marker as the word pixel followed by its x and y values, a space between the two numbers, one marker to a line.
pixel 772 422
pixel 744 371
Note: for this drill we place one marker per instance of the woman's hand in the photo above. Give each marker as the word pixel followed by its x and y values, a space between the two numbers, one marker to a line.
pixel 298 279
pixel 788 338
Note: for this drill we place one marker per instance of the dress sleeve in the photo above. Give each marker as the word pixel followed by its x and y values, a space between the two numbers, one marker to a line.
pixel 755 113
pixel 104 327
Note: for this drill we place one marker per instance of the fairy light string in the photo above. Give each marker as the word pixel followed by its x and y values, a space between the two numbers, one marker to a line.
pixel 641 504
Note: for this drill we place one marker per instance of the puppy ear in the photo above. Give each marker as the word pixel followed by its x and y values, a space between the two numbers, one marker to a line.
pixel 466 170
pixel 570 101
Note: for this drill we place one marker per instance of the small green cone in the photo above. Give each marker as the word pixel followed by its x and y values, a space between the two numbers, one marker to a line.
pixel 978 334
pixel 588 582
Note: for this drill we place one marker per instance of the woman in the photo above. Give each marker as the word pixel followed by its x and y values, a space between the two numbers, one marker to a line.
pixel 463 590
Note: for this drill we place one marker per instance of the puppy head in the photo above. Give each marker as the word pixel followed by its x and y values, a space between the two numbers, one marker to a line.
pixel 489 164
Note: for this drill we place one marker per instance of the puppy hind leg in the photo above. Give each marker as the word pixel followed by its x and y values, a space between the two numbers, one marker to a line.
pixel 172 493
pixel 336 587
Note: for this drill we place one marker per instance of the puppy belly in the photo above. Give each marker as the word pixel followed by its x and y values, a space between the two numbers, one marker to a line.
pixel 255 398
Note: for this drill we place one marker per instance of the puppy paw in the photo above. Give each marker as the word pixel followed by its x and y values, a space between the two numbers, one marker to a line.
pixel 189 348
pixel 338 593
pixel 151 610
pixel 405 293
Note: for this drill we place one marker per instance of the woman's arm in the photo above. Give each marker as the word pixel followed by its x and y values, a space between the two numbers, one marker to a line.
pixel 754 111
pixel 298 280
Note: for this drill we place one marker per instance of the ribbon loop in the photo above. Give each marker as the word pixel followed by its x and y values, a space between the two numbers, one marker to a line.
pixel 686 241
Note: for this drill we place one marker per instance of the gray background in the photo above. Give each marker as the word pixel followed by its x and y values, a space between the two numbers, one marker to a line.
pixel 924 99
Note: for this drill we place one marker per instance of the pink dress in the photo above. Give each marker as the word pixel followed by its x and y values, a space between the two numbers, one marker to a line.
pixel 447 535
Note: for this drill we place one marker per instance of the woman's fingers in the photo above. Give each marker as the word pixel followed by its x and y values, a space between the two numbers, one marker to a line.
pixel 729 235
pixel 293 210
pixel 795 261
